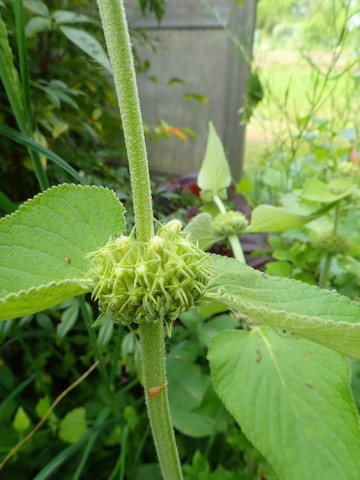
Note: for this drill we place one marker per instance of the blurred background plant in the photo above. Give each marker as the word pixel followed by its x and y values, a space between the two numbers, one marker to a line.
pixel 305 128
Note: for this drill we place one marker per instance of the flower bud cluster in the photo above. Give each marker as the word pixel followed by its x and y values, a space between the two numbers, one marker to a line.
pixel 230 223
pixel 149 281
pixel 333 243
pixel 207 196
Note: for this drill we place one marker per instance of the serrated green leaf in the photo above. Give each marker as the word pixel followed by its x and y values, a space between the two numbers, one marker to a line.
pixel 202 231
pixel 319 315
pixel 43 246
pixel 73 426
pixel 21 421
pixel 214 174
pixel 292 399
pixel 88 44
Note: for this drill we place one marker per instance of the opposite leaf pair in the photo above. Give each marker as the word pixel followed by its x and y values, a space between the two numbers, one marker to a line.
pixel 290 395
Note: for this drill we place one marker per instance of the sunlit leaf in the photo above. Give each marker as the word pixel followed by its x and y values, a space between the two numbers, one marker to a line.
pixel 73 426
pixel 21 421
pixel 43 246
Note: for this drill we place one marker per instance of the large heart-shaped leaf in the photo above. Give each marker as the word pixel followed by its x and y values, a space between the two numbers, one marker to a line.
pixel 292 399
pixel 319 315
pixel 43 246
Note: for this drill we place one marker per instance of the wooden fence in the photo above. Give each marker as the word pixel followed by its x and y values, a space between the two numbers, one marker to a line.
pixel 195 48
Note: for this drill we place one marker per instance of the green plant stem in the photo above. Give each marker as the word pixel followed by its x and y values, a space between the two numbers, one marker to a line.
pixel 117 38
pixel 236 248
pixel 324 275
pixel 233 239
pixel 336 218
pixel 325 272
pixel 154 375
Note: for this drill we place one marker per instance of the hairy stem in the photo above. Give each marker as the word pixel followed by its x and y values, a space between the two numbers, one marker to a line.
pixel 118 44
pixel 152 335
pixel 152 342
pixel 233 239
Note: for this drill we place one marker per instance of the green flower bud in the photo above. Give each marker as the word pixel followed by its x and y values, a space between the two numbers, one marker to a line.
pixel 206 196
pixel 149 281
pixel 223 194
pixel 230 223
pixel 333 243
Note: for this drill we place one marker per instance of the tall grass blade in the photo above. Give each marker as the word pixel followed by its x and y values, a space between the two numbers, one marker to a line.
pixel 48 471
pixel 6 204
pixel 16 392
pixel 24 71
pixel 36 147
pixel 25 86
pixel 89 446
pixel 10 78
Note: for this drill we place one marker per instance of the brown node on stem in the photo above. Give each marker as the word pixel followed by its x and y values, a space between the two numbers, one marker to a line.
pixel 155 391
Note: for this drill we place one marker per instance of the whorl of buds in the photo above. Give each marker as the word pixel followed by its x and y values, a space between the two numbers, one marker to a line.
pixel 340 186
pixel 230 223
pixel 157 280
pixel 207 196
pixel 333 243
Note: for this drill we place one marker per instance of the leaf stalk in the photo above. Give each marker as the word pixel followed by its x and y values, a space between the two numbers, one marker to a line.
pixel 233 239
